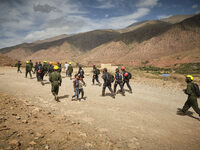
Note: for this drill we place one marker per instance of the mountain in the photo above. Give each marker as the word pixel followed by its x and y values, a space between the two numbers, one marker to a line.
pixel 176 18
pixel 80 42
pixel 178 43
pixel 154 42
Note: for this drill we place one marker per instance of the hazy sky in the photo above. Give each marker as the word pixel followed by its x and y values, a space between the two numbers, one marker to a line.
pixel 31 20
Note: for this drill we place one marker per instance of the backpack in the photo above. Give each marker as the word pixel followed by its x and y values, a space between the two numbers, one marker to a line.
pixel 129 75
pixel 110 78
pixel 98 71
pixel 196 89
pixel 118 76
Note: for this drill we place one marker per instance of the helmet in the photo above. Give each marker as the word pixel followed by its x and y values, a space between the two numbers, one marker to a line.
pixel 190 77
pixel 45 61
pixel 27 62
pixel 35 61
pixel 70 63
pixel 126 74
pixel 122 68
pixel 93 65
pixel 55 67
pixel 117 69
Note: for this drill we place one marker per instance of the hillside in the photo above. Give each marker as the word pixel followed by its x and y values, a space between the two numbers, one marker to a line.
pixel 5 60
pixel 154 42
pixel 178 43
pixel 176 18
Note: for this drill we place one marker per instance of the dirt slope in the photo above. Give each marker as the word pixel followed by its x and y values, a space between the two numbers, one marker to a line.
pixel 145 120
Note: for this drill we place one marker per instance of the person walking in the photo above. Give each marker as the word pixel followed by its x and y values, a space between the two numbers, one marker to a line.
pixel 192 96
pixel 118 81
pixel 95 76
pixel 108 79
pixel 28 69
pixel 66 68
pixel 18 67
pixel 56 81
pixel 70 70
pixel 126 78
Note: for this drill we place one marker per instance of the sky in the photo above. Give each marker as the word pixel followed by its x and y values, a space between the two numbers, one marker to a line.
pixel 31 20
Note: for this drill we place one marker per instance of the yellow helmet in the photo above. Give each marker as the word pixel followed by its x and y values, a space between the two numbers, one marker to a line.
pixel 70 63
pixel 191 77
pixel 55 67
pixel 45 61
pixel 27 62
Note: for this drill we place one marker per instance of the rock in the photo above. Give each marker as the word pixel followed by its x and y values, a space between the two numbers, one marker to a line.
pixel 14 114
pixel 18 117
pixel 49 113
pixel 32 143
pixel 14 143
pixel 88 145
pixel 24 121
pixel 38 134
pixel 46 147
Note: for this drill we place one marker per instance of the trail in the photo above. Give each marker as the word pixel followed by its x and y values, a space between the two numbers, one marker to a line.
pixel 146 119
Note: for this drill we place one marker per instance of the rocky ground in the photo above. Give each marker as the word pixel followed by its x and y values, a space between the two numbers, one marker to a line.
pixel 148 119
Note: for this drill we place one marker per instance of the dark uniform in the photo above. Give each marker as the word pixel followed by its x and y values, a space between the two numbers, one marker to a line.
pixel 81 75
pixel 40 72
pixel 192 98
pixel 95 75
pixel 106 83
pixel 56 80
pixel 60 67
pixel 126 80
pixel 50 70
pixel 118 81
pixel 28 70
pixel 70 71
pixel 18 67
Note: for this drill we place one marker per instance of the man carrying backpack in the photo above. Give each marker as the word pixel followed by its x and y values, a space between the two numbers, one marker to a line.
pixel 56 80
pixel 108 79
pixel 126 77
pixel 96 73
pixel 192 93
pixel 118 80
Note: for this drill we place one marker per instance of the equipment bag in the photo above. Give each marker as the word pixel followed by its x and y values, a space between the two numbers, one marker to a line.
pixel 196 89
pixel 98 71
pixel 110 78
pixel 129 75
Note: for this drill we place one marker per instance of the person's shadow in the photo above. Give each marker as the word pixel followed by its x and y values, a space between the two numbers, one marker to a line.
pixel 62 97
pixel 188 113
pixel 109 94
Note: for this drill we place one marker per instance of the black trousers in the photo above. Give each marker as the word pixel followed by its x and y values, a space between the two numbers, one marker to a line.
pixel 104 88
pixel 120 84
pixel 95 77
pixel 128 85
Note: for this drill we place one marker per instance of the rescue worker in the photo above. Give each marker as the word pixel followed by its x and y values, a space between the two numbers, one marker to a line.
pixel 56 81
pixel 36 68
pixel 126 78
pixel 66 68
pixel 28 69
pixel 107 82
pixel 60 67
pixel 192 97
pixel 76 87
pixel 50 70
pixel 31 63
pixel 81 74
pixel 95 76
pixel 18 66
pixel 45 67
pixel 70 70
pixel 118 81
pixel 40 72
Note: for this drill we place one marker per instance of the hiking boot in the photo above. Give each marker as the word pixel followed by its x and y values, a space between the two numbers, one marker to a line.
pixel 131 91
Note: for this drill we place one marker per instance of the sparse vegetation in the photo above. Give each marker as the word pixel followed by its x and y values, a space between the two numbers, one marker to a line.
pixel 156 70
pixel 190 68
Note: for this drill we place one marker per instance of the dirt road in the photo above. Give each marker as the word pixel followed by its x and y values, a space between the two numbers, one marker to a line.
pixel 146 119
